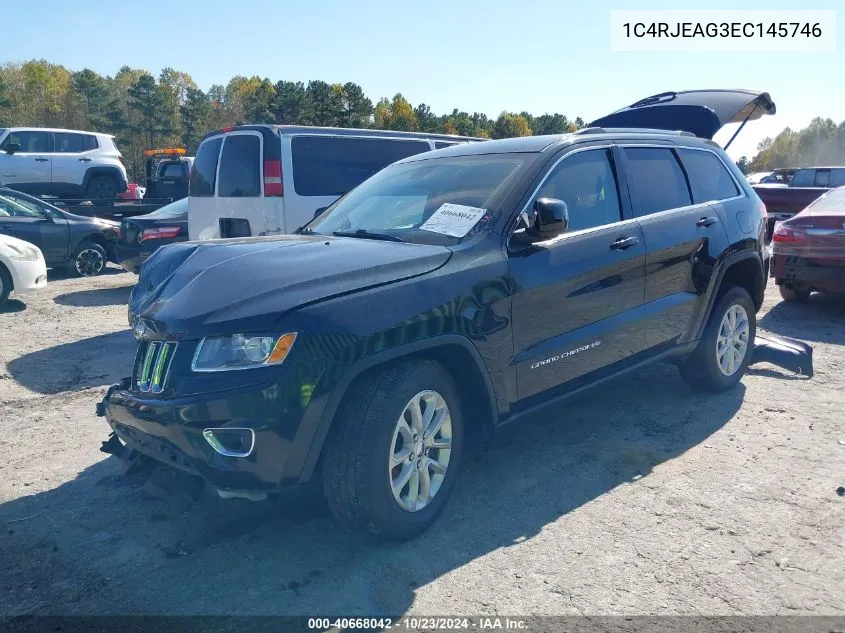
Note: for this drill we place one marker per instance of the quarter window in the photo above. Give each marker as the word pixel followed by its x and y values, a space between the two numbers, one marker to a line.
pixel 586 182
pixel 822 178
pixel 240 167
pixel 708 176
pixel 837 177
pixel 656 180
pixel 204 172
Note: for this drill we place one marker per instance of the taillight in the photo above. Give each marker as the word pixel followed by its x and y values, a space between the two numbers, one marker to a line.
pixel 786 235
pixel 273 186
pixel 159 233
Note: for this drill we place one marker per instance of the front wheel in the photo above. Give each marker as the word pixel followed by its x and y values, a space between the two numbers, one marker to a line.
pixel 726 346
pixel 89 260
pixel 392 457
pixel 5 285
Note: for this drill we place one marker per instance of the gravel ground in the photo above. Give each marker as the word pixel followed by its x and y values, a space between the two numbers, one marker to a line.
pixel 641 497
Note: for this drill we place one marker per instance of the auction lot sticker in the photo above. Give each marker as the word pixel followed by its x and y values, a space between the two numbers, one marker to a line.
pixel 453 219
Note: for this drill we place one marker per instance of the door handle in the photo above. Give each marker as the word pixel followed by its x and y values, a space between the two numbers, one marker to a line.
pixel 624 242
pixel 705 222
pixel 41 160
pixel 84 160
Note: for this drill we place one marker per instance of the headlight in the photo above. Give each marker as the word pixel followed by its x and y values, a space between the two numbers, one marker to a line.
pixel 241 351
pixel 23 253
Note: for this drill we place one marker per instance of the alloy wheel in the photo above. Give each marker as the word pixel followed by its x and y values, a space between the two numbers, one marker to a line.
pixel 89 262
pixel 732 340
pixel 420 450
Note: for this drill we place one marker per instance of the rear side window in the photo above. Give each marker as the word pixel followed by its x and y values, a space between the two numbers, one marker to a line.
pixel 240 167
pixel 656 180
pixel 822 178
pixel 332 166
pixel 91 142
pixel 71 143
pixel 803 178
pixel 442 144
pixel 708 176
pixel 203 175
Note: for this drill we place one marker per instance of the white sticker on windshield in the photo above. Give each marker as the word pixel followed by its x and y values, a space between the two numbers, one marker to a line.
pixel 453 219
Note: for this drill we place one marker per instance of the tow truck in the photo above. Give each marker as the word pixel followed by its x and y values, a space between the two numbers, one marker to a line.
pixel 168 171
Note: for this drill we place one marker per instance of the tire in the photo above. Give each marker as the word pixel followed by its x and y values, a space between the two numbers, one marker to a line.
pixel 101 188
pixel 357 478
pixel 5 285
pixel 797 296
pixel 702 369
pixel 89 260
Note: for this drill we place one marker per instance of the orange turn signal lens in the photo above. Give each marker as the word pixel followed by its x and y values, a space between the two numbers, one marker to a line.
pixel 281 349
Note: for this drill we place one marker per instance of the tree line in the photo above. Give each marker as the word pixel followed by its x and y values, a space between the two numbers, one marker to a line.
pixel 143 111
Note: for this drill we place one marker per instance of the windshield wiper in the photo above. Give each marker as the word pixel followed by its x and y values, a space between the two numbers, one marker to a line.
pixel 367 235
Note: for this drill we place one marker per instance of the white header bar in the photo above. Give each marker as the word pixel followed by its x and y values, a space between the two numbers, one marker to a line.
pixel 723 30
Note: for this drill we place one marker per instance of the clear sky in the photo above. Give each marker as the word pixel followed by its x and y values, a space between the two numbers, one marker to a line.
pixel 534 55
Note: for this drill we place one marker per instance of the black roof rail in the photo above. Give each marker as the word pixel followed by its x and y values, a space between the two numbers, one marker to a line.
pixel 637 130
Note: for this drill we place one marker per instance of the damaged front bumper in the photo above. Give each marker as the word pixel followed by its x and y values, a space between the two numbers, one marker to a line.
pixel 787 353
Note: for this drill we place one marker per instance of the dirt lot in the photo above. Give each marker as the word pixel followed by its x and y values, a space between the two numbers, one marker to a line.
pixel 640 498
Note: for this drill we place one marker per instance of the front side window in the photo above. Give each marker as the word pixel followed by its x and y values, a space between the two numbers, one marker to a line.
pixel 31 141
pixel 17 207
pixel 656 180
pixel 334 165
pixel 240 167
pixel 708 177
pixel 400 200
pixel 67 143
pixel 586 182
pixel 204 172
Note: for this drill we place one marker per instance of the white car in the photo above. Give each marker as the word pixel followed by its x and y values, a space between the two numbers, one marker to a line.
pixel 22 267
pixel 70 164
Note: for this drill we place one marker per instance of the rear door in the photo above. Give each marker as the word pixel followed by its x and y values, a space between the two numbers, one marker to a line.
pixel 323 168
pixel 30 168
pixel 71 158
pixel 578 296
pixel 684 235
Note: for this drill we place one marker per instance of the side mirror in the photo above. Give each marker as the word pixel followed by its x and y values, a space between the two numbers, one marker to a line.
pixel 319 211
pixel 549 218
pixel 11 148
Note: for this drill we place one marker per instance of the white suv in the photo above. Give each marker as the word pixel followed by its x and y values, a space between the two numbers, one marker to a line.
pixel 63 163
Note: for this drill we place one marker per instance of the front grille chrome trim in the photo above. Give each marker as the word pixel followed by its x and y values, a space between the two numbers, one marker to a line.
pixel 153 366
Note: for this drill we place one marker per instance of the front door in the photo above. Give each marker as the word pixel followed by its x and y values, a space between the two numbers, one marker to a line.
pixel 33 223
pixel 30 168
pixel 578 296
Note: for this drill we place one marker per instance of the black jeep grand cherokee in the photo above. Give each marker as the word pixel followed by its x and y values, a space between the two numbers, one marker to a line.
pixel 450 293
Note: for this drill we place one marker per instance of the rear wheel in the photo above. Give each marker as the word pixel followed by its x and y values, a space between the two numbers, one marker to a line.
pixel 789 294
pixel 101 189
pixel 726 346
pixel 89 260
pixel 393 454
pixel 5 285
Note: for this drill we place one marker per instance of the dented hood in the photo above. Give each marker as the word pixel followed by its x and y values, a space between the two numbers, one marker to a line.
pixel 701 112
pixel 196 289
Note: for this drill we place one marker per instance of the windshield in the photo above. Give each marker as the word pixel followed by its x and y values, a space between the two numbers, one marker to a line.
pixel 436 201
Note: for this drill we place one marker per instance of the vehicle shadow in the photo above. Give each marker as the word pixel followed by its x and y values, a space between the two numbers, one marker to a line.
pixel 90 362
pixel 233 557
pixel 818 319
pixel 13 305
pixel 54 274
pixel 95 297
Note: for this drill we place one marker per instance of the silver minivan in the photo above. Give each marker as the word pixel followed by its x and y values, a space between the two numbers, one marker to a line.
pixel 253 180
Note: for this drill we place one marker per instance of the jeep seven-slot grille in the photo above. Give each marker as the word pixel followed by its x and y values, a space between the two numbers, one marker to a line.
pixel 152 365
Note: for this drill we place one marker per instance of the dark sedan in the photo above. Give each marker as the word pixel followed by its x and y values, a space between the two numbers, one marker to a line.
pixel 140 236
pixel 81 244
pixel 809 249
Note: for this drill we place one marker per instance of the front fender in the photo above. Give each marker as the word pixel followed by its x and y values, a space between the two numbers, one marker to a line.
pixel 323 410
